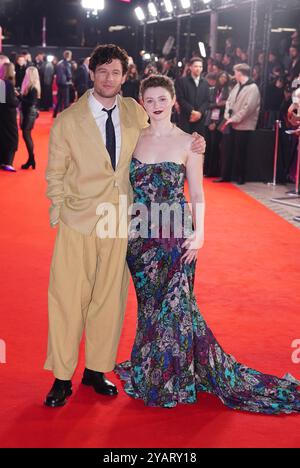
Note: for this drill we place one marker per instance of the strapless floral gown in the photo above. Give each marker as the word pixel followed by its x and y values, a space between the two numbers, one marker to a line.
pixel 175 354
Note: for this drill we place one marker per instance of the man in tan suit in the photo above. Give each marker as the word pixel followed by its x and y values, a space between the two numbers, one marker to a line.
pixel 91 145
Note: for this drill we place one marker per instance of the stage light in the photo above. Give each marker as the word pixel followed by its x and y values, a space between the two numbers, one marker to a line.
pixel 50 58
pixel 179 64
pixel 139 13
pixel 118 27
pixel 280 30
pixel 169 6
pixel 202 49
pixel 225 28
pixel 185 4
pixel 152 9
pixel 94 5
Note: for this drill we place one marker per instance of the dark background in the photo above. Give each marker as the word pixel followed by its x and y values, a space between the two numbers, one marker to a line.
pixel 68 26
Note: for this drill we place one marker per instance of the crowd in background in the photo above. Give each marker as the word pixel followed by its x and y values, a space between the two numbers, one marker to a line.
pixel 51 84
pixel 24 95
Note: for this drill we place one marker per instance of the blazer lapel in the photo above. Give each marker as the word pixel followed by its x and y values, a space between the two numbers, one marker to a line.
pixel 90 129
pixel 124 124
pixel 93 134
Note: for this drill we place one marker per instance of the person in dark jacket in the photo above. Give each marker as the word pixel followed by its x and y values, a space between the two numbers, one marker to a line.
pixel 28 59
pixel 131 87
pixel 219 93
pixel 20 70
pixel 47 96
pixel 274 99
pixel 46 74
pixel 288 143
pixel 294 68
pixel 193 99
pixel 30 93
pixel 8 117
pixel 228 63
pixel 273 63
pixel 64 81
pixel 82 81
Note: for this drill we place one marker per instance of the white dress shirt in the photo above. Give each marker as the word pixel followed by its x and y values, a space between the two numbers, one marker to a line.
pixel 196 81
pixel 101 117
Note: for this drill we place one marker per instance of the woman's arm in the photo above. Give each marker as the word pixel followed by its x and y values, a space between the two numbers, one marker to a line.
pixel 194 172
pixel 11 98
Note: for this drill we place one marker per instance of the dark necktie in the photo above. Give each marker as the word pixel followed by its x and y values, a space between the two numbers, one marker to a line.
pixel 111 137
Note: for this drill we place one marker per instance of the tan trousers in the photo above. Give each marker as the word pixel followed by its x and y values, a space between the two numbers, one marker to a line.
pixel 87 292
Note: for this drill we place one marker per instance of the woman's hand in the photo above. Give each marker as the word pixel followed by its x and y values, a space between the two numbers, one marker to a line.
pixel 192 245
pixel 190 256
pixel 195 116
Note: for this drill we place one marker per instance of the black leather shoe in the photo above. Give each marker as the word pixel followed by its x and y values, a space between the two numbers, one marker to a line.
pixel 220 180
pixel 98 381
pixel 58 394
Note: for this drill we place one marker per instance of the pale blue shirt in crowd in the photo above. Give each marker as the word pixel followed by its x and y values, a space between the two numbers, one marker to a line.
pixel 101 117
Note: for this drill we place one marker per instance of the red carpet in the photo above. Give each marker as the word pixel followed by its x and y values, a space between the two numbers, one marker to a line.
pixel 248 290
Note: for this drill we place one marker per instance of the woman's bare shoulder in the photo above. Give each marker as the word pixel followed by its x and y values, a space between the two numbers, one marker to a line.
pixel 143 135
pixel 184 137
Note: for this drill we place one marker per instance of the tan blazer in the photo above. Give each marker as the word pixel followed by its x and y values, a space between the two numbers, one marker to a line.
pixel 79 171
pixel 245 106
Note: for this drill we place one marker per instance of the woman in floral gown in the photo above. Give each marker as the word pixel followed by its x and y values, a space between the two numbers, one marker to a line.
pixel 175 354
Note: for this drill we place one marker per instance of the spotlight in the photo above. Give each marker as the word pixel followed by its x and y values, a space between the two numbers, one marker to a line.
pixel 185 4
pixel 180 64
pixel 152 9
pixel 94 5
pixel 202 49
pixel 118 27
pixel 146 55
pixel 50 58
pixel 139 13
pixel 169 6
pixel 225 28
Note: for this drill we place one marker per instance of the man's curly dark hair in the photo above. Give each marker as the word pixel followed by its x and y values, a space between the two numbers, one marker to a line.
pixel 106 53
